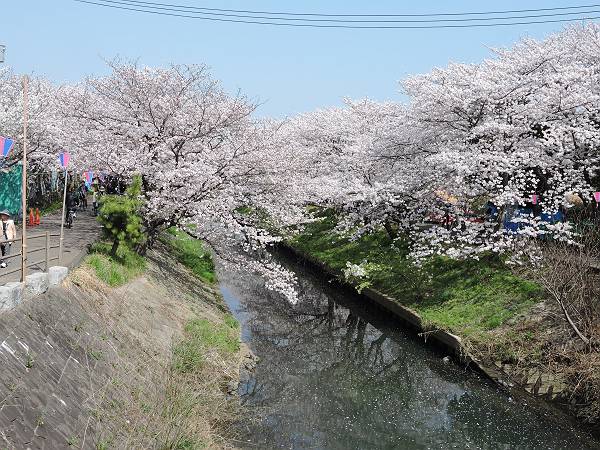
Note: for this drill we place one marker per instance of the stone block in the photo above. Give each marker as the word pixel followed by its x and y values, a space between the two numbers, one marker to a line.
pixel 57 274
pixel 5 298
pixel 11 295
pixel 36 284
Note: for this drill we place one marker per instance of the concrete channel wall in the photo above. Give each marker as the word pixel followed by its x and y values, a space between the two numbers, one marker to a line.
pixel 538 386
pixel 14 293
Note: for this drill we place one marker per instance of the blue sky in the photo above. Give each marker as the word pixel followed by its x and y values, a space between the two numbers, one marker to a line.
pixel 289 70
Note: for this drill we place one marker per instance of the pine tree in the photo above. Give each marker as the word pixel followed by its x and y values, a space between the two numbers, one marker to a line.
pixel 119 215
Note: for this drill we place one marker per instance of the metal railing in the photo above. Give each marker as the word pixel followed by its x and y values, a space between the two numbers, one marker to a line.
pixel 46 247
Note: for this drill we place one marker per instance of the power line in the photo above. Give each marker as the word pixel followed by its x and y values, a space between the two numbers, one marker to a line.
pixel 277 13
pixel 314 25
pixel 181 9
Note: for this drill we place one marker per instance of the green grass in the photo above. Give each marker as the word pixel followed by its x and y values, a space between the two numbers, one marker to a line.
pixel 202 336
pixel 468 298
pixel 190 444
pixel 115 271
pixel 191 253
pixel 231 322
pixel 52 207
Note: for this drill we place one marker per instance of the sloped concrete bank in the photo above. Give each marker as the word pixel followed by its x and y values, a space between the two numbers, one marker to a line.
pixel 88 366
pixel 539 387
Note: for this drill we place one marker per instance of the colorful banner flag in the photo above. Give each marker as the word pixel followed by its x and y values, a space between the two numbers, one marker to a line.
pixel 89 177
pixel 6 144
pixel 534 199
pixel 64 158
pixel 597 197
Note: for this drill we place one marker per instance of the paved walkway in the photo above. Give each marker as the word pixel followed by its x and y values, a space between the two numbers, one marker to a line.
pixel 86 230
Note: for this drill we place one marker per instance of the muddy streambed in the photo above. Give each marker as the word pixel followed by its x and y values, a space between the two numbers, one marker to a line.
pixel 338 373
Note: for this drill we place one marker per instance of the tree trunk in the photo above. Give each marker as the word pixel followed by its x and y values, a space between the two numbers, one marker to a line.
pixel 574 327
pixel 389 230
pixel 142 248
pixel 115 246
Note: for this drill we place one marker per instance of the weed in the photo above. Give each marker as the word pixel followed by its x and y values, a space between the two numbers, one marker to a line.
pixel 190 444
pixel 200 360
pixel 201 335
pixel 96 354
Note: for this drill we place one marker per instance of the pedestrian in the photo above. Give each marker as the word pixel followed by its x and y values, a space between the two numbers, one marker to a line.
pixel 95 200
pixel 9 232
pixel 83 195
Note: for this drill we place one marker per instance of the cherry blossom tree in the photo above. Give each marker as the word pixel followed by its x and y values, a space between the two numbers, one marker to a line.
pixel 521 124
pixel 201 156
pixel 495 134
pixel 43 109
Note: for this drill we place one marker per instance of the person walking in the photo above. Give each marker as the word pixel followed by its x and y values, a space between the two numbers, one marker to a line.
pixel 9 231
pixel 82 193
pixel 95 200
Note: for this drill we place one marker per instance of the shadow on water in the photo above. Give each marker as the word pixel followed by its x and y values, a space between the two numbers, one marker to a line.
pixel 337 373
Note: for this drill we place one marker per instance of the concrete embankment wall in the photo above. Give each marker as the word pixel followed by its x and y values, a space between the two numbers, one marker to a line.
pixel 84 365
pixel 537 385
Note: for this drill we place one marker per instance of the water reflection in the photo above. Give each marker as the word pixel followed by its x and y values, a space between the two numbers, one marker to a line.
pixel 337 374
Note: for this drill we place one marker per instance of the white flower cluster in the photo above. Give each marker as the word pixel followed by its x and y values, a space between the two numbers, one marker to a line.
pixel 354 271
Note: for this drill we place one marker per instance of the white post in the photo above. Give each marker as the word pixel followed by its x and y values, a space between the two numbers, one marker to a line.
pixel 62 221
pixel 24 181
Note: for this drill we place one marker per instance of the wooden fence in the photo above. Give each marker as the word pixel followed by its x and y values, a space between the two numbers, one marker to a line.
pixel 46 241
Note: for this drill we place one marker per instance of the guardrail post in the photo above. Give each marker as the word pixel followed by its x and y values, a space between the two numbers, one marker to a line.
pixel 47 250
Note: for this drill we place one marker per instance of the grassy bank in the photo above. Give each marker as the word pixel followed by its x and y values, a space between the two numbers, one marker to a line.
pixel 183 341
pixel 115 270
pixel 468 298
pixel 191 253
pixel 53 207
pixel 202 337
pixel 203 362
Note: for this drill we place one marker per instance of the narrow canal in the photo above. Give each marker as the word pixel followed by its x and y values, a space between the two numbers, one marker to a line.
pixel 336 373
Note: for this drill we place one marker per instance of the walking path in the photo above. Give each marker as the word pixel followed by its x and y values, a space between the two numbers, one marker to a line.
pixel 85 231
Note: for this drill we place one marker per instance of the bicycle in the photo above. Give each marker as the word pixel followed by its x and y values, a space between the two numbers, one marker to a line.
pixel 71 215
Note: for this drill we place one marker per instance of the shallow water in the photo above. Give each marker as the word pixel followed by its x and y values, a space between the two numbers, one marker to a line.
pixel 336 373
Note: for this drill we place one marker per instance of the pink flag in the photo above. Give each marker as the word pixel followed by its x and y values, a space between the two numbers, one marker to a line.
pixel 64 159
pixel 6 145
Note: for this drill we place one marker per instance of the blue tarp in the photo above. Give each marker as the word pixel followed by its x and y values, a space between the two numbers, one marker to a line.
pixel 10 190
